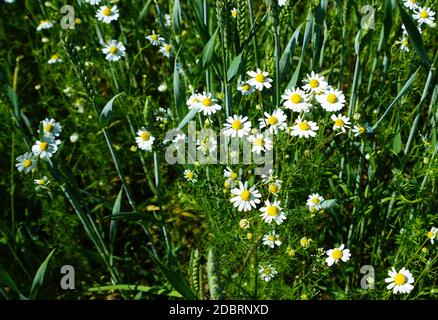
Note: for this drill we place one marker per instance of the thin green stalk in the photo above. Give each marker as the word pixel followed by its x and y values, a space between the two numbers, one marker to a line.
pixel 277 67
pixel 251 19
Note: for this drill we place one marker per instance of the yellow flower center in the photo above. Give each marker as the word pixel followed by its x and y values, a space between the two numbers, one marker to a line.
pixel 43 21
pixel 272 211
pixel 260 78
pixel 113 49
pixel 315 200
pixel 273 188
pixel 246 195
pixel 304 242
pixel 271 238
pixel 145 136
pixel 54 57
pixel 206 102
pixel 106 11
pixel 405 42
pixel 272 120
pixel 314 83
pixel 236 125
pixel 430 234
pixel 245 87
pixel 424 14
pixel 331 98
pixel 296 98
pixel 234 13
pixel 259 142
pixel 339 123
pixel 48 128
pixel 154 37
pixel 362 130
pixel 267 271
pixel 190 175
pixel 303 126
pixel 400 279
pixel 41 182
pixel 337 254
pixel 413 1
pixel 44 146
pixel 233 175
pixel 27 163
pixel 167 47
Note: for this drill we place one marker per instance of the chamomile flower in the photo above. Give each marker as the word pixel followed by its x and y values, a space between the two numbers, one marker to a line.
pixel 305 242
pixel 190 175
pixel 207 105
pixel 340 122
pixel 179 140
pixel 93 2
pixel 55 59
pixel 167 20
pixel 424 15
pixel 269 177
pixel 331 100
pixel 155 39
pixel 26 162
pixel 432 234
pixel 314 201
pixel 230 174
pixel 296 100
pixel 107 14
pixel 193 100
pixel 315 83
pixel 114 50
pixel 234 13
pixel 245 198
pixel 267 272
pixel 337 254
pixel 260 143
pixel 275 122
pixel 359 130
pixel 237 126
pixel 244 223
pixel 41 183
pixel 271 240
pixel 245 88
pixel 166 49
pixel 411 4
pixel 400 282
pixel 281 3
pixel 304 128
pixel 51 128
pixel 405 32
pixel 206 143
pixel 45 24
pixel 259 79
pixel 404 42
pixel 45 148
pixel 272 212
pixel 144 139
pixel 274 187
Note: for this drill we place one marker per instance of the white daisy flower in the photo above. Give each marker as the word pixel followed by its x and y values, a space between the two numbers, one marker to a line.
pixel 245 88
pixel 432 234
pixel 41 183
pixel 424 15
pixel 400 282
pixel 179 140
pixel 55 59
pixel 144 139
pixel 45 24
pixel 107 14
pixel 161 115
pixel 194 100
pixel 155 39
pixel 359 130
pixel 274 187
pixel 331 100
pixel 272 212
pixel 26 162
pixel 190 176
pixel 271 240
pixel 237 126
pixel 234 13
pixel 206 144
pixel 166 49
pixel 411 4
pixel 315 83
pixel 114 50
pixel 314 201
pixel 260 143
pixel 281 3
pixel 244 223
pixel 51 128
pixel 296 100
pixel 167 20
pixel 304 128
pixel 267 272
pixel 207 105
pixel 93 2
pixel 340 122
pixel 259 79
pixel 9 1
pixel 270 177
pixel 336 254
pixel 404 42
pixel 230 174
pixel 275 122
pixel 244 197
pixel 45 148
pixel 405 32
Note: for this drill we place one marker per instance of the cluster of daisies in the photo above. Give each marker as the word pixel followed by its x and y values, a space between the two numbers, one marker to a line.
pixel 424 16
pixel 42 150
